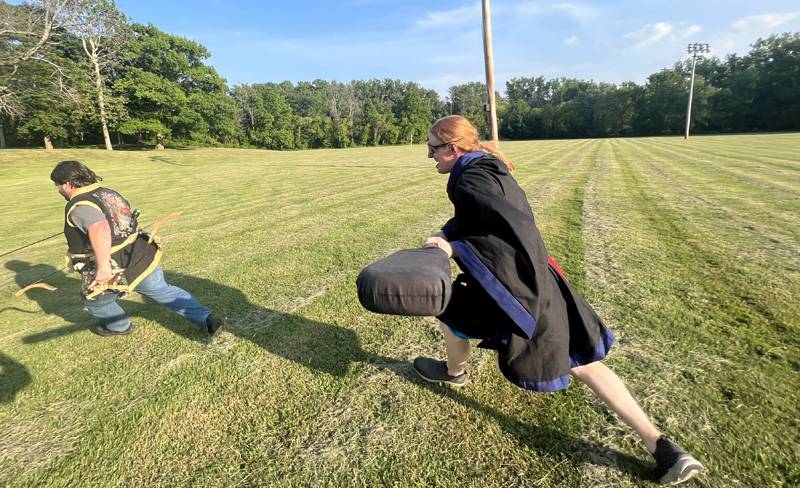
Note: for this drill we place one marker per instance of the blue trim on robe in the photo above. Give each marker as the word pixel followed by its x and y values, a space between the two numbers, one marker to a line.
pixel 600 351
pixel 462 163
pixel 458 334
pixel 458 168
pixel 545 386
pixel 499 293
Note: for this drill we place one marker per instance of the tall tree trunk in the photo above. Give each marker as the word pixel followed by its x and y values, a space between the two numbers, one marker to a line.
pixel 98 83
pixel 48 144
pixel 2 137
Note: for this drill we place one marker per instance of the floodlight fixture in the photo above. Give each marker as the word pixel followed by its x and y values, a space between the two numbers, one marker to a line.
pixel 696 50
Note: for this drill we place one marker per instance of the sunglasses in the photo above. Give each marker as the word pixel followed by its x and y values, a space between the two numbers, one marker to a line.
pixel 432 149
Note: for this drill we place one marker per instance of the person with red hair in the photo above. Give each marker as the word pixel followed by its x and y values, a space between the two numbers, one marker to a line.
pixel 513 296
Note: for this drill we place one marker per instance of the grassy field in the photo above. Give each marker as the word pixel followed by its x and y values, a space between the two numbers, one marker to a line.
pixel 690 250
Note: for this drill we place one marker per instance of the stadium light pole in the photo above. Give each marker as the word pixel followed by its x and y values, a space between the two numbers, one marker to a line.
pixel 695 50
pixel 491 108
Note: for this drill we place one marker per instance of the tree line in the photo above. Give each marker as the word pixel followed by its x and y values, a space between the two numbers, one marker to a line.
pixel 78 72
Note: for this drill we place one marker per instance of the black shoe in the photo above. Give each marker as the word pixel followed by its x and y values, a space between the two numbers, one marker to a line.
pixel 214 323
pixel 102 330
pixel 436 372
pixel 673 464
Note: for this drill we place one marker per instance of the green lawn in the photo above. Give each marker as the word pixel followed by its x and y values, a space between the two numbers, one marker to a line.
pixel 690 250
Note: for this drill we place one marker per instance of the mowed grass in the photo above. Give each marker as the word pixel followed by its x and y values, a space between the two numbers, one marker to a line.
pixel 690 250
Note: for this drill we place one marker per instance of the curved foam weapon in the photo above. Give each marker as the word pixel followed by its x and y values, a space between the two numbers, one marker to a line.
pixel 35 285
pixel 158 223
pixel 40 283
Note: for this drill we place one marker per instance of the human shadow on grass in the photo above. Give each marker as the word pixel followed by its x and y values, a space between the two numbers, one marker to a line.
pixel 67 304
pixel 332 349
pixel 13 378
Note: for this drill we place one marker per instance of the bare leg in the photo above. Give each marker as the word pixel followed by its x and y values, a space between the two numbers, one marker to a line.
pixel 609 388
pixel 457 350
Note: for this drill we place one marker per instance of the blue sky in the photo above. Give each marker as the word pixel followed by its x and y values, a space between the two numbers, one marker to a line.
pixel 439 44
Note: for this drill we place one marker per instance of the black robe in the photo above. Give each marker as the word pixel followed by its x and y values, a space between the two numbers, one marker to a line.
pixel 496 242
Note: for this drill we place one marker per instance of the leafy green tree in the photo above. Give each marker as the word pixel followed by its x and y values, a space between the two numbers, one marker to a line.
pixel 26 32
pixel 513 121
pixel 375 123
pixel 662 108
pixel 414 113
pixel 42 117
pixel 155 105
pixel 341 105
pixel 732 104
pixel 272 118
pixel 103 32
pixel 776 62
pixel 615 109
pixel 535 92
pixel 469 100
pixel 170 91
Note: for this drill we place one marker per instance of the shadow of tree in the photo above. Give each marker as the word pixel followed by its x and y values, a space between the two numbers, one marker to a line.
pixel 162 159
pixel 330 349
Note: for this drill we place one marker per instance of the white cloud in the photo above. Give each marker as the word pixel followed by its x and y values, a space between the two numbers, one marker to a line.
pixel 571 41
pixel 364 3
pixel 691 30
pixel 742 33
pixel 467 13
pixel 649 33
pixel 577 11
pixel 768 21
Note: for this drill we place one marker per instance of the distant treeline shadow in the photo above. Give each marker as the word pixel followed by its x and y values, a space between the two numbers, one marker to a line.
pixel 316 345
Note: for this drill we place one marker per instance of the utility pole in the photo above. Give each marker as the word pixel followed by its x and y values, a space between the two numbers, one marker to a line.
pixel 694 50
pixel 491 108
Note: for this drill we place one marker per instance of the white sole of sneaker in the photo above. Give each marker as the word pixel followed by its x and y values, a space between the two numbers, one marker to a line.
pixel 432 380
pixel 684 469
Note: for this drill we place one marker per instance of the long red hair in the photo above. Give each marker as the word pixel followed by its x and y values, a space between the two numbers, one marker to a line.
pixel 457 130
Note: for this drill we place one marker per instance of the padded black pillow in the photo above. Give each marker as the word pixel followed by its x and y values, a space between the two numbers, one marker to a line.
pixel 408 282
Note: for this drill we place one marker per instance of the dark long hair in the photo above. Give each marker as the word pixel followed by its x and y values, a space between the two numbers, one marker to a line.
pixel 73 172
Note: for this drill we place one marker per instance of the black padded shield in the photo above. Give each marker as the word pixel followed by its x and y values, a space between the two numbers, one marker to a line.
pixel 408 282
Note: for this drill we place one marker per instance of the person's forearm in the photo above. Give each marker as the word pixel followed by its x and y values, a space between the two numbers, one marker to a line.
pixel 100 237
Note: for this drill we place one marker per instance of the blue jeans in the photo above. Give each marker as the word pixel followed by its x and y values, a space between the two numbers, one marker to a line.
pixel 105 308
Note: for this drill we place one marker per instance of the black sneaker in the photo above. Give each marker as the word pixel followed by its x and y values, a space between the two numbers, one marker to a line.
pixel 214 323
pixel 436 372
pixel 102 330
pixel 673 464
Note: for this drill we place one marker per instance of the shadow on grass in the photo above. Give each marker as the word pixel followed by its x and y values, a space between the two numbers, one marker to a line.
pixel 324 348
pixel 66 300
pixel 13 378
pixel 162 159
